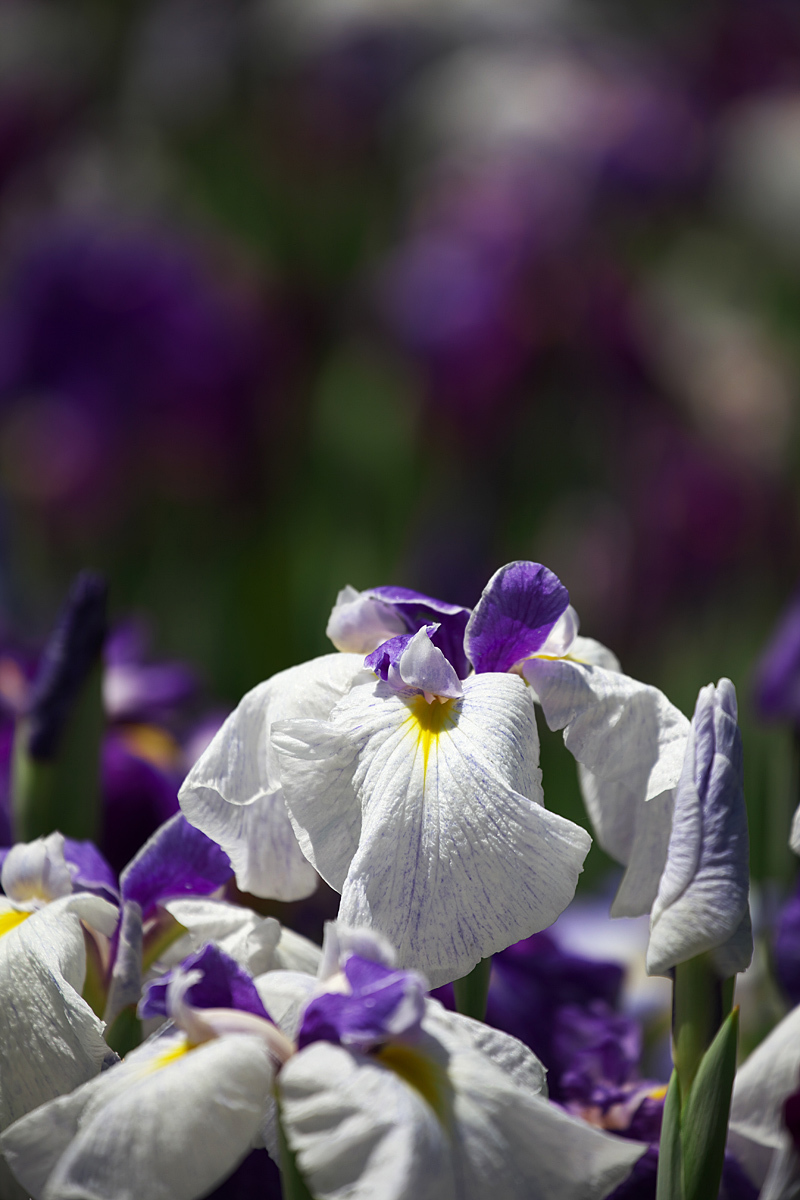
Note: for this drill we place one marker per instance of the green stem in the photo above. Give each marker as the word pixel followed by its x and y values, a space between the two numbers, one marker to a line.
pixel 472 990
pixel 701 1002
pixel 292 1183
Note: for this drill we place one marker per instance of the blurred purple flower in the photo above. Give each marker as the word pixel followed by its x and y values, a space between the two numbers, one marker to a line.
pixel 786 948
pixel 117 353
pixel 776 685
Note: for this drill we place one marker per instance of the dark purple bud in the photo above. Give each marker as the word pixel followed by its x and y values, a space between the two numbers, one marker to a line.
pixel 72 650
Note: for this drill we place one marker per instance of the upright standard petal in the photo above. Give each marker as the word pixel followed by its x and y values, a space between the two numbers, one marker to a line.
pixel 50 1040
pixel 429 819
pixel 629 741
pixel 233 792
pixel 702 901
pixel 517 610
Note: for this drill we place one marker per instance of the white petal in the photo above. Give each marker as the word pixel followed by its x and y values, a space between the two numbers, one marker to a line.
pixel 36 870
pixel 284 995
pixel 50 1040
pixel 359 623
pixel 762 1084
pixel 244 935
pixel 171 1133
pixel 456 857
pixel 513 1057
pixel 422 665
pixel 648 853
pixel 562 636
pixel 466 1130
pixel 519 1145
pixel 296 953
pixel 594 653
pixel 783 1178
pixel 626 734
pixel 232 793
pixel 794 837
pixel 360 1132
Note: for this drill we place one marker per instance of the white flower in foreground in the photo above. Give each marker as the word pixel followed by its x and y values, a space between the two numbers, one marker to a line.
pixel 758 1135
pixel 171 1121
pixel 702 902
pixel 419 798
pixel 391 1096
pixel 233 792
pixel 50 1040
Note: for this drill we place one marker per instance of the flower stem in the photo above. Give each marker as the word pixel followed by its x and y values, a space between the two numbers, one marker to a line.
pixel 293 1185
pixel 700 1003
pixel 472 990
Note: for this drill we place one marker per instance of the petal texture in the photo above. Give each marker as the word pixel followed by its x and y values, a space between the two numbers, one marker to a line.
pixel 429 819
pixel 50 1040
pixel 233 792
pixel 166 1125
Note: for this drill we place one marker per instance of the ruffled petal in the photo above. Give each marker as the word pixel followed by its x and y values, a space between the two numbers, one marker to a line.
pixel 36 871
pixel 50 1040
pixel 702 898
pixel 439 1118
pixel 233 791
pixel 167 1124
pixel 360 1131
pixel 627 735
pixel 440 808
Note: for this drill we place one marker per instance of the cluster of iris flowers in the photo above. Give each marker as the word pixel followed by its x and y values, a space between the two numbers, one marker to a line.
pixel 404 770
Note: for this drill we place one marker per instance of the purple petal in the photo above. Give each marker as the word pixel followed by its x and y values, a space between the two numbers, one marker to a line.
pixel 776 689
pixel 132 692
pixel 89 870
pixel 384 1003
pixel 418 610
pixel 178 860
pixel 384 660
pixel 225 984
pixel 519 606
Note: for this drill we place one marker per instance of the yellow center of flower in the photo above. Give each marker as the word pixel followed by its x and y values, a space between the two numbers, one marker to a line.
pixel 424 1076
pixel 10 920
pixel 170 1056
pixel 428 721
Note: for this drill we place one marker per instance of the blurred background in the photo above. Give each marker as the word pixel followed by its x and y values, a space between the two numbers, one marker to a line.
pixel 302 293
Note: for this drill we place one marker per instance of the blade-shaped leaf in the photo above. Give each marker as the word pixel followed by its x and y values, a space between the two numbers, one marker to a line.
pixel 669 1184
pixel 704 1121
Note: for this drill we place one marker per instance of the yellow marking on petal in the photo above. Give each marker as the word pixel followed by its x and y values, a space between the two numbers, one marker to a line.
pixel 10 920
pixel 658 1093
pixel 429 721
pixel 154 745
pixel 170 1056
pixel 420 1073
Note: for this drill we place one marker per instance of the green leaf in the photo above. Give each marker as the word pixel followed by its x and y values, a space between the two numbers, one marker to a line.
pixel 472 990
pixel 704 1123
pixel 669 1184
